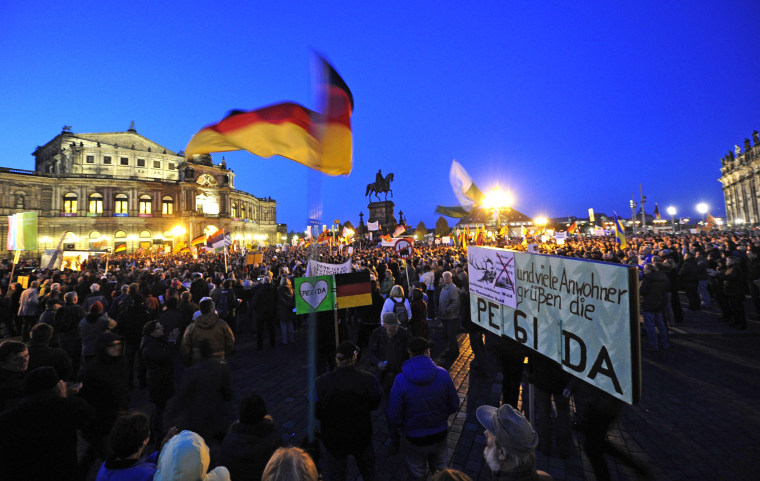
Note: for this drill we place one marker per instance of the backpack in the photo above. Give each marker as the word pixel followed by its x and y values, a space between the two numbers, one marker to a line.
pixel 223 304
pixel 399 308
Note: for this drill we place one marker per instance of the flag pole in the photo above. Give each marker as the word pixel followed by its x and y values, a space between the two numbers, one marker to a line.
pixel 13 268
pixel 225 252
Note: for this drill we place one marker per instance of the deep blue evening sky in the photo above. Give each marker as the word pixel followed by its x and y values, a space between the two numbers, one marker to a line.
pixel 569 104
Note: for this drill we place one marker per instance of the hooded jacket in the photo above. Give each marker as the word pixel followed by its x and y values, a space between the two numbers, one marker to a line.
pixel 422 398
pixel 207 326
pixel 248 447
pixel 186 458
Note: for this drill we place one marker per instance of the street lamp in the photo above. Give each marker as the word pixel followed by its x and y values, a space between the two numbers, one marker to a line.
pixel 541 222
pixel 672 212
pixel 702 209
pixel 498 201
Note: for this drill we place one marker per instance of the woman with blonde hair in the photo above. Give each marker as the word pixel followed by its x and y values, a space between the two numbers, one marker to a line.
pixel 290 464
pixel 398 304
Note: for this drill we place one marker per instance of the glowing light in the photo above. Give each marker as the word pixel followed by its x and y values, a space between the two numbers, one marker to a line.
pixel 702 208
pixel 671 211
pixel 540 221
pixel 178 231
pixel 497 199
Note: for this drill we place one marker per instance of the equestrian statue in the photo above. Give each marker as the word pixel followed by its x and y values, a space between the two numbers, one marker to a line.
pixel 382 185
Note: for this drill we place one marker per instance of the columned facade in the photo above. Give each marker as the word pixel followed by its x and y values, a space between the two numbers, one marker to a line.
pixel 740 176
pixel 104 190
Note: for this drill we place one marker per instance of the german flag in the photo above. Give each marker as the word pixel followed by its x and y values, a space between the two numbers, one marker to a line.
pixel 120 248
pixel 322 142
pixel 353 289
pixel 201 239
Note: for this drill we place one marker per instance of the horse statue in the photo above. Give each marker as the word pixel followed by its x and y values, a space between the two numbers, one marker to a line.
pixel 382 185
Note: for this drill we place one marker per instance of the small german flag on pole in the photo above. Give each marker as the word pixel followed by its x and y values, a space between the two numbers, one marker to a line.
pixel 120 248
pixel 201 239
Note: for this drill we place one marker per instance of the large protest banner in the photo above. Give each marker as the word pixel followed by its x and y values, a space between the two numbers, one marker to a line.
pixel 582 314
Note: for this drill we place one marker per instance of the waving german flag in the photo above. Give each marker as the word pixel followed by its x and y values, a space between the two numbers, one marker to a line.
pixel 322 142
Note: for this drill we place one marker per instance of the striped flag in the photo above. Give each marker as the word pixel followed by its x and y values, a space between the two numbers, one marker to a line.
pixel 573 229
pixel 400 229
pixel 120 248
pixel 619 232
pixel 353 289
pixel 322 142
pixel 201 239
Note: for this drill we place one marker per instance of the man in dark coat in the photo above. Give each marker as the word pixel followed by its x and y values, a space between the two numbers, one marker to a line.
pixel 251 441
pixel 688 277
pixel 14 362
pixel 345 400
pixel 654 290
pixel 66 326
pixel 39 440
pixel 199 287
pixel 265 304
pixel 734 288
pixel 41 354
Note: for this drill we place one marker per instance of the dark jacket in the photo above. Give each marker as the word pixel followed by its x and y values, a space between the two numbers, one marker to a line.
pixel 286 301
pixel 39 440
pixel 345 400
pixel 422 398
pixel 44 355
pixel 247 448
pixel 689 273
pixel 654 290
pixel 11 388
pixel 265 301
pixel 157 356
pixel 378 343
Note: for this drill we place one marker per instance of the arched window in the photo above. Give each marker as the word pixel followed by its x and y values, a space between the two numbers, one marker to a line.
pixel 94 235
pixel 121 204
pixel 120 234
pixel 145 234
pixel 167 205
pixel 70 203
pixel 96 204
pixel 234 210
pixel 19 203
pixel 146 204
pixel 242 211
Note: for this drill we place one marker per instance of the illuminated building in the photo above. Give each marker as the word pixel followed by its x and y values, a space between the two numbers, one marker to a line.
pixel 104 190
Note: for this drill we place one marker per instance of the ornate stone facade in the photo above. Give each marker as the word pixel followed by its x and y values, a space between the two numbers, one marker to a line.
pixel 740 176
pixel 107 189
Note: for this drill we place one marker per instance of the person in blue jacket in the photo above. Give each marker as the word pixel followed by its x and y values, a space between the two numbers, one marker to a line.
pixel 128 438
pixel 421 400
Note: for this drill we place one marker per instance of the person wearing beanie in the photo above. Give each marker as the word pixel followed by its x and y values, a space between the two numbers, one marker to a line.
pixel 511 444
pixel 93 325
pixel 251 441
pixel 39 440
pixel 345 399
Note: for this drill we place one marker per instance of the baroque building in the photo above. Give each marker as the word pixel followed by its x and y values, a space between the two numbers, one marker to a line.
pixel 740 176
pixel 104 190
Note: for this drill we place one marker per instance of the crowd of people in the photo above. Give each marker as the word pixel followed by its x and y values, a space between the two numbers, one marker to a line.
pixel 79 342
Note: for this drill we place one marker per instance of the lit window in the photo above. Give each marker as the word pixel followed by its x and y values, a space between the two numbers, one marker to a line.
pixel 167 205
pixel 124 161
pixel 70 203
pixel 96 204
pixel 242 211
pixel 146 205
pixel 120 204
pixel 234 210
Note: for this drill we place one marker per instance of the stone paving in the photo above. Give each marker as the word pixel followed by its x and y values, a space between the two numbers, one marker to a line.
pixel 698 418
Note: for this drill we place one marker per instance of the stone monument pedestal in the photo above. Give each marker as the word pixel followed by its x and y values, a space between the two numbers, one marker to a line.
pixel 382 212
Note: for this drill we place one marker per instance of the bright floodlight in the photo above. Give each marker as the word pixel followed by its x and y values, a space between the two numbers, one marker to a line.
pixel 739 221
pixel 540 221
pixel 702 208
pixel 498 199
pixel 178 231
pixel 671 211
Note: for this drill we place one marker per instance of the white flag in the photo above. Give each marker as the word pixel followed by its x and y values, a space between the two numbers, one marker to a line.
pixel 373 225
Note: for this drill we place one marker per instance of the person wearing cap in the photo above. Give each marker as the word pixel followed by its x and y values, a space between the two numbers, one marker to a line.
pixel 448 313
pixel 345 399
pixel 388 346
pixel 511 443
pixel 93 325
pixel 39 440
pixel 421 400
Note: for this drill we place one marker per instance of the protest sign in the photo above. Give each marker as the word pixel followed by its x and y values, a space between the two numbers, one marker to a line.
pixel 314 294
pixel 581 314
pixel 315 268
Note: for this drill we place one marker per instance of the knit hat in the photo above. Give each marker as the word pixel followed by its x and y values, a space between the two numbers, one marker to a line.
pixel 96 308
pixel 346 350
pixel 512 430
pixel 389 319
pixel 418 346
pixel 39 380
